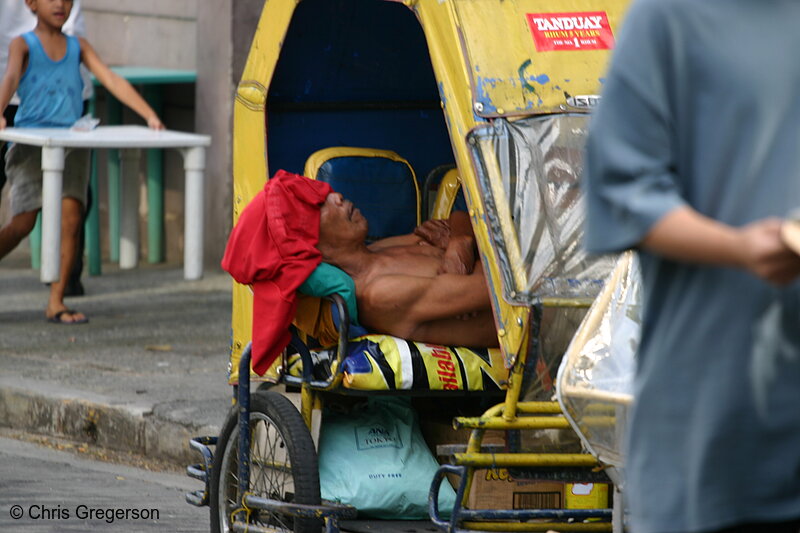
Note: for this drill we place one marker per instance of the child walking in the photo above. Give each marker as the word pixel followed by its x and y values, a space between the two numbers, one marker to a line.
pixel 44 69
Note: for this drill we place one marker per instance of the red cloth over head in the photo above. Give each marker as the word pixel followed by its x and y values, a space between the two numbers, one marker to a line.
pixel 272 248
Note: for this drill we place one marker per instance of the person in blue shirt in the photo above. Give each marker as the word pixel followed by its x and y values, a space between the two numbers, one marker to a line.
pixel 693 160
pixel 44 69
pixel 16 19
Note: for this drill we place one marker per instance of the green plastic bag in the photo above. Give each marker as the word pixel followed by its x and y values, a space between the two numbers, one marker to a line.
pixel 375 459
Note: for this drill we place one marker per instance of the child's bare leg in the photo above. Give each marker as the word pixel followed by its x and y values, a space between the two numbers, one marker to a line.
pixel 71 219
pixel 17 229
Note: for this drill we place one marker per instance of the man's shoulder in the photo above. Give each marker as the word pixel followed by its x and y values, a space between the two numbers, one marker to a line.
pixel 658 13
pixel 662 7
pixel 18 44
pixel 22 38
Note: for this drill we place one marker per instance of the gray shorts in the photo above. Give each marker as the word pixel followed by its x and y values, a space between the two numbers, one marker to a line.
pixel 24 171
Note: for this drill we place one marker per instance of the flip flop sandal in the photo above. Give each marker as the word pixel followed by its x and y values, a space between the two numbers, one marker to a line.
pixel 56 318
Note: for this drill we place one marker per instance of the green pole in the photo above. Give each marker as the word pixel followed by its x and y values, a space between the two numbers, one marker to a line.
pixel 114 116
pixel 93 220
pixel 35 241
pixel 155 187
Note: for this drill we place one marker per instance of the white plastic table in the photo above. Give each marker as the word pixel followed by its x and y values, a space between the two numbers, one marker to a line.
pixel 130 139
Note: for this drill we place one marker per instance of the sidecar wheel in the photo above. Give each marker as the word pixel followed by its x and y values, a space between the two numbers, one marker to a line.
pixel 283 465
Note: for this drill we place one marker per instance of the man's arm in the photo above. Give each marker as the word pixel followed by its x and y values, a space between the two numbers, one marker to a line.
pixel 456 238
pixel 118 86
pixel 413 300
pixel 686 235
pixel 461 252
pixel 17 52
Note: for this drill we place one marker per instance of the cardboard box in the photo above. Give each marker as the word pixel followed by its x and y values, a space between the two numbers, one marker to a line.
pixel 441 432
pixel 438 432
pixel 494 488
pixel 586 496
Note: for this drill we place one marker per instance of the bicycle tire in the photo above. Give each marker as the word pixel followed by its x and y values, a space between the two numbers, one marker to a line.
pixel 276 429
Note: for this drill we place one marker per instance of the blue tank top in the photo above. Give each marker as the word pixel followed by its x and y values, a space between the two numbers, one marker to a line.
pixel 50 91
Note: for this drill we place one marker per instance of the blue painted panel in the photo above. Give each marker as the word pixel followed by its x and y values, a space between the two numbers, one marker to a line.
pixel 355 73
pixel 353 50
pixel 419 136
pixel 382 189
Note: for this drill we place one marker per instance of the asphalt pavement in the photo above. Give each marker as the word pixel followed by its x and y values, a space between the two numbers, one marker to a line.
pixel 49 491
pixel 147 372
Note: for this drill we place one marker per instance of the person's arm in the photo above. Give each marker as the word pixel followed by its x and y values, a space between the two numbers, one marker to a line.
pixel 456 238
pixel 461 252
pixel 118 86
pixel 414 300
pixel 17 52
pixel 683 234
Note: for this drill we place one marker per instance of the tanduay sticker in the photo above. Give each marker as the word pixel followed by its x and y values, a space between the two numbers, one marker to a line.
pixel 553 32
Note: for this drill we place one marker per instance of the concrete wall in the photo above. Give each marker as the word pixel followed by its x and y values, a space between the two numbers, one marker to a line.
pixel 214 110
pixel 154 33
pixel 246 14
pixel 225 30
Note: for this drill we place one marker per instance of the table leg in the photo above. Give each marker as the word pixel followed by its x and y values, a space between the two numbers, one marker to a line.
pixel 114 116
pixel 155 186
pixel 93 220
pixel 35 241
pixel 129 204
pixel 194 162
pixel 52 170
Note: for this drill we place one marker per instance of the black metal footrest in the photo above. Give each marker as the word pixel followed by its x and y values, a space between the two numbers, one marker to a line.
pixel 198 498
pixel 200 471
pixel 197 471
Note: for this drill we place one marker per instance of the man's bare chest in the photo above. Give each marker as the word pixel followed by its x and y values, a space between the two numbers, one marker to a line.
pixel 416 260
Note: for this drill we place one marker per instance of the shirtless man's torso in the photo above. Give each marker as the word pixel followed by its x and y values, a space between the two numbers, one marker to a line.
pixel 405 285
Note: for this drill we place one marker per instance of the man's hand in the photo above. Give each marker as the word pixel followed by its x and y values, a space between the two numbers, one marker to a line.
pixel 155 123
pixel 764 254
pixel 435 232
pixel 685 235
pixel 459 258
pixel 458 244
pixel 2 122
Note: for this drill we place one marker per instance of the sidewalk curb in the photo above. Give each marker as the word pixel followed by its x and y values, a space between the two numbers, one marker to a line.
pixel 127 428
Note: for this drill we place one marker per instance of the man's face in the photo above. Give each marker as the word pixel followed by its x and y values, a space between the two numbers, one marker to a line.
pixel 340 221
pixel 54 12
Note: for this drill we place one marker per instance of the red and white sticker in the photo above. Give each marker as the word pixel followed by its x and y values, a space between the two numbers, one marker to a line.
pixel 553 32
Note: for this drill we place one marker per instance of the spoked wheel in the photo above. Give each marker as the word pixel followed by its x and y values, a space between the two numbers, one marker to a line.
pixel 283 466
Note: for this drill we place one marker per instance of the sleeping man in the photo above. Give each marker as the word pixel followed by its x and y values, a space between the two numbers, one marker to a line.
pixel 425 286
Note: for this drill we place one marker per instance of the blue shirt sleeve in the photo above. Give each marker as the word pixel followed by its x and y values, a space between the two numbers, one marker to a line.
pixel 630 164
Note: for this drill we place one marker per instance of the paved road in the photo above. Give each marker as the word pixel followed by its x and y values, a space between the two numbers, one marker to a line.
pixel 146 374
pixel 56 491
